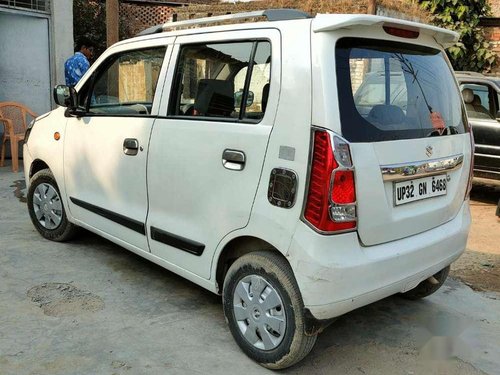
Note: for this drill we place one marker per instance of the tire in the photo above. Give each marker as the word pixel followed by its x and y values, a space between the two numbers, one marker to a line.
pixel 279 304
pixel 46 208
pixel 426 288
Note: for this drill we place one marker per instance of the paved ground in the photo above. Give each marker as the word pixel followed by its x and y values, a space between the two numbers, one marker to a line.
pixel 479 267
pixel 91 307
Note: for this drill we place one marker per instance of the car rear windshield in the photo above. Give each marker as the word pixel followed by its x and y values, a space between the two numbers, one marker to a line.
pixel 390 91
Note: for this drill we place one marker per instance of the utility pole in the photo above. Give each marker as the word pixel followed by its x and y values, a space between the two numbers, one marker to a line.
pixel 372 7
pixel 112 19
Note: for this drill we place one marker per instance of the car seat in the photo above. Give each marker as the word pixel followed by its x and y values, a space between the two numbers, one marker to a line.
pixel 473 105
pixel 479 107
pixel 214 98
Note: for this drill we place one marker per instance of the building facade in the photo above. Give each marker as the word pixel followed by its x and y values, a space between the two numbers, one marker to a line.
pixel 35 39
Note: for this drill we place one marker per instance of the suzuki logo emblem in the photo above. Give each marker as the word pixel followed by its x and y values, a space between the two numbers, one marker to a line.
pixel 428 151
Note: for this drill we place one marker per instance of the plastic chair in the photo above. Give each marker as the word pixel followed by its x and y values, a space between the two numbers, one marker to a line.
pixel 15 118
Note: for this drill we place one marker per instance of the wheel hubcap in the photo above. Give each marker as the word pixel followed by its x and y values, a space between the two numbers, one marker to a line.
pixel 47 206
pixel 259 312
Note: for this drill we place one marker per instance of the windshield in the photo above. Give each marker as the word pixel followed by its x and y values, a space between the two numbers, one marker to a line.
pixel 390 91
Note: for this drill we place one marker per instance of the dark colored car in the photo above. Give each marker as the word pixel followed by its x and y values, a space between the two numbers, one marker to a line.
pixel 482 98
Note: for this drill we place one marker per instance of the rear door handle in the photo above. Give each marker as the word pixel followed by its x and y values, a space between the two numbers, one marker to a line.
pixel 130 146
pixel 233 160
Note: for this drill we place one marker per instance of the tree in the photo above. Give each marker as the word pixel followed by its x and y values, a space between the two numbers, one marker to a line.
pixel 472 52
pixel 89 19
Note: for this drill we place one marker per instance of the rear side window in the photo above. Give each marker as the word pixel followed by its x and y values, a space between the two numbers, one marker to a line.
pixel 389 91
pixel 222 81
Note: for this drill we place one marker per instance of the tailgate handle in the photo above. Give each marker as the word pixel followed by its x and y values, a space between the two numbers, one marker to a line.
pixel 405 171
pixel 233 160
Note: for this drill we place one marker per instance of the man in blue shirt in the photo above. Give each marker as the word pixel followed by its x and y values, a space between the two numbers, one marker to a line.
pixel 76 66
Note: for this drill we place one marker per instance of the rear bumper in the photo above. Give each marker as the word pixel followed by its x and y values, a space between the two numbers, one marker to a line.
pixel 336 274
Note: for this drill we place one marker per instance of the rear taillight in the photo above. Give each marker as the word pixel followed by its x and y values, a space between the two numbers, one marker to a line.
pixel 471 168
pixel 402 33
pixel 331 198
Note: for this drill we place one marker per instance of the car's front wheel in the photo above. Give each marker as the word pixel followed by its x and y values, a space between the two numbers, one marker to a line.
pixel 46 208
pixel 264 309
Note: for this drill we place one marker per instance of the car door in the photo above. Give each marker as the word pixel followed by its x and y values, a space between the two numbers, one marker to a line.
pixel 206 154
pixel 105 150
pixel 486 129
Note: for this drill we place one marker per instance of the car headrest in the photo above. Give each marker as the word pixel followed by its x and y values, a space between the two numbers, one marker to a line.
pixel 214 98
pixel 386 115
pixel 468 96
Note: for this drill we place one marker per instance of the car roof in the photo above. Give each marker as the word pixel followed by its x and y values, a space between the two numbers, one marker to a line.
pixel 472 77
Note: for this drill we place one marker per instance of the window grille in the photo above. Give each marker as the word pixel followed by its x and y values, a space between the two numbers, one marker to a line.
pixel 38 5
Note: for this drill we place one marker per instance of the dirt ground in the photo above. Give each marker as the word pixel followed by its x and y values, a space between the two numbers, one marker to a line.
pixel 479 267
pixel 90 307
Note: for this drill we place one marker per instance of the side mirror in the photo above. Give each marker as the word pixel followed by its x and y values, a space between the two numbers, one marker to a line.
pixel 65 96
pixel 250 98
pixel 238 97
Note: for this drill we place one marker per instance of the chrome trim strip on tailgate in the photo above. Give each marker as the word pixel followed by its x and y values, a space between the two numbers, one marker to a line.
pixel 403 171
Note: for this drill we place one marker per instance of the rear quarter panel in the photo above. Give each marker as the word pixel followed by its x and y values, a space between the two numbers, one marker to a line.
pixel 291 128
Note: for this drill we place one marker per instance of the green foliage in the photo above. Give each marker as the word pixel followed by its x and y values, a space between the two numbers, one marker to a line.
pixel 472 52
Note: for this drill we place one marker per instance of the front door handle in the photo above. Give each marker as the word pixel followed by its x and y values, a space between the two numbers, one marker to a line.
pixel 233 160
pixel 130 146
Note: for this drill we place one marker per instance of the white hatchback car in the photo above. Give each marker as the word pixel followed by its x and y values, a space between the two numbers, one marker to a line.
pixel 255 160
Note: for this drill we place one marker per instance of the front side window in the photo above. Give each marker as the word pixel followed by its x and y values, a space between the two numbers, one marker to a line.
pixel 126 84
pixel 390 91
pixel 212 81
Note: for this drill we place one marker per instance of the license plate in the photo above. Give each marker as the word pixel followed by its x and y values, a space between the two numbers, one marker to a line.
pixel 420 188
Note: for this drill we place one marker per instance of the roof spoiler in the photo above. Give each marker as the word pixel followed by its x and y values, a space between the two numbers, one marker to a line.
pixel 330 22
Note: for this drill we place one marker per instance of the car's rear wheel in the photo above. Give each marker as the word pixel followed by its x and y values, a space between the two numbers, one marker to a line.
pixel 264 309
pixel 46 208
pixel 428 286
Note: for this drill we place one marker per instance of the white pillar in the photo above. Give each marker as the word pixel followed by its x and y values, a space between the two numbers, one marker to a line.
pixel 62 37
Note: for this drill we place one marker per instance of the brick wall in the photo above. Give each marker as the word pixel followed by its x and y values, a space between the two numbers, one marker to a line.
pixel 495 8
pixel 136 17
pixel 409 8
pixel 493 33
